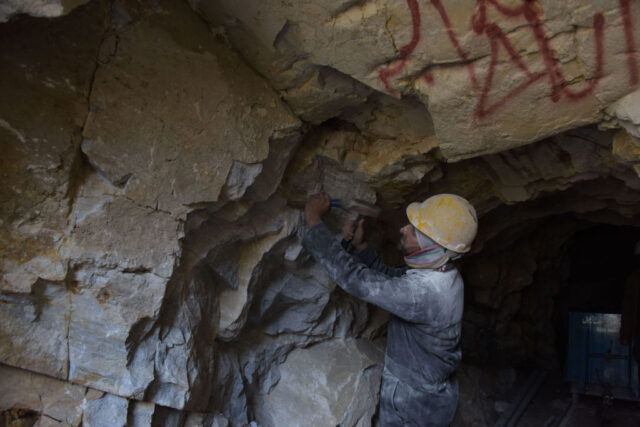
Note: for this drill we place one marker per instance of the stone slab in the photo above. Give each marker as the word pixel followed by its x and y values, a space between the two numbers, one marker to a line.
pixel 34 329
pixel 175 106
pixel 47 67
pixel 52 398
pixel 319 385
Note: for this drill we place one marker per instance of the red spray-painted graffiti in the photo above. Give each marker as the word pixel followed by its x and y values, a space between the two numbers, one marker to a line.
pixel 405 51
pixel 557 80
pixel 530 11
pixel 625 7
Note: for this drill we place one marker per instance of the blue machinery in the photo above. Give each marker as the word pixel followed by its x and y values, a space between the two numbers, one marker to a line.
pixel 596 362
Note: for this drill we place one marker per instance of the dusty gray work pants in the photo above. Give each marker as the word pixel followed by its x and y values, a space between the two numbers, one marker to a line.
pixel 402 405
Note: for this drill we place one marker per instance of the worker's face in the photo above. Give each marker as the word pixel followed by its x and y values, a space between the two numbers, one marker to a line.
pixel 408 240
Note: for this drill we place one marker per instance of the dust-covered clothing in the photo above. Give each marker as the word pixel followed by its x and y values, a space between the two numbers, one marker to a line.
pixel 370 258
pixel 402 405
pixel 423 338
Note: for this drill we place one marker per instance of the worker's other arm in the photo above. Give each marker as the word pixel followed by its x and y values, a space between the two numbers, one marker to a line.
pixel 398 295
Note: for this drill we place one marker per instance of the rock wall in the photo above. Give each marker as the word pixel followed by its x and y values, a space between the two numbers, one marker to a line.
pixel 155 157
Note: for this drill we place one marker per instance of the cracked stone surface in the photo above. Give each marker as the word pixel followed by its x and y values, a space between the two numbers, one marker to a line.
pixel 39 136
pixel 52 398
pixel 156 156
pixel 35 329
pixel 336 394
pixel 477 73
pixel 40 8
pixel 181 133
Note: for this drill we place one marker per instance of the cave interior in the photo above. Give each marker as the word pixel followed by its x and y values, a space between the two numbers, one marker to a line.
pixel 157 156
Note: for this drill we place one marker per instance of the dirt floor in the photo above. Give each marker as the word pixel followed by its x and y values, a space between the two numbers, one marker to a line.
pixel 554 406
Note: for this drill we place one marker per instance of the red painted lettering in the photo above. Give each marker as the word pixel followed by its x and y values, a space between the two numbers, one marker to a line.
pixel 531 12
pixel 625 8
pixel 405 50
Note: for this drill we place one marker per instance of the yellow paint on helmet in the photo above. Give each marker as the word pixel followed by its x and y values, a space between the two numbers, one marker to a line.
pixel 448 219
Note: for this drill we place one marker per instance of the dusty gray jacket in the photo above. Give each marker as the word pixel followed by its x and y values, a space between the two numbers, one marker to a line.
pixel 423 337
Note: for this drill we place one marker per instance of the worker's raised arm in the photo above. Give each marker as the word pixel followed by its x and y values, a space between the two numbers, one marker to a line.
pixel 353 242
pixel 397 295
pixel 371 259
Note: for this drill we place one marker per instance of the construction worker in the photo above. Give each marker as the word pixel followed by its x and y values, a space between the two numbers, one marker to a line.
pixel 425 300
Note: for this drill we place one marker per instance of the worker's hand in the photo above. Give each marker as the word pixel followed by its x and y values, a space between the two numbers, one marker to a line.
pixel 316 207
pixel 355 235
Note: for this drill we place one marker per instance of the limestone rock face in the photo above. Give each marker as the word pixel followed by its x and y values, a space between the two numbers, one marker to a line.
pixel 626 147
pixel 103 217
pixel 41 8
pixel 53 399
pixel 39 135
pixel 54 402
pixel 625 113
pixel 348 377
pixel 212 111
pixel 476 65
pixel 35 329
pixel 157 154
pixel 108 409
pixel 105 296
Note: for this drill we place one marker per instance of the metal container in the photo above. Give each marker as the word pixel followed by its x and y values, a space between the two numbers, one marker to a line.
pixel 597 364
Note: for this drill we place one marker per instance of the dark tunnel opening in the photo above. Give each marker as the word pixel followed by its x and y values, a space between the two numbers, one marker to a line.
pixel 520 290
pixel 600 261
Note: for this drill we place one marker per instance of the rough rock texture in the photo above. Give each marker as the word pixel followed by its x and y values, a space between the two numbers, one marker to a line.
pixel 625 113
pixel 53 399
pixel 477 65
pixel 335 392
pixel 35 329
pixel 48 401
pixel 109 409
pixel 156 153
pixel 43 8
pixel 40 136
pixel 212 113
